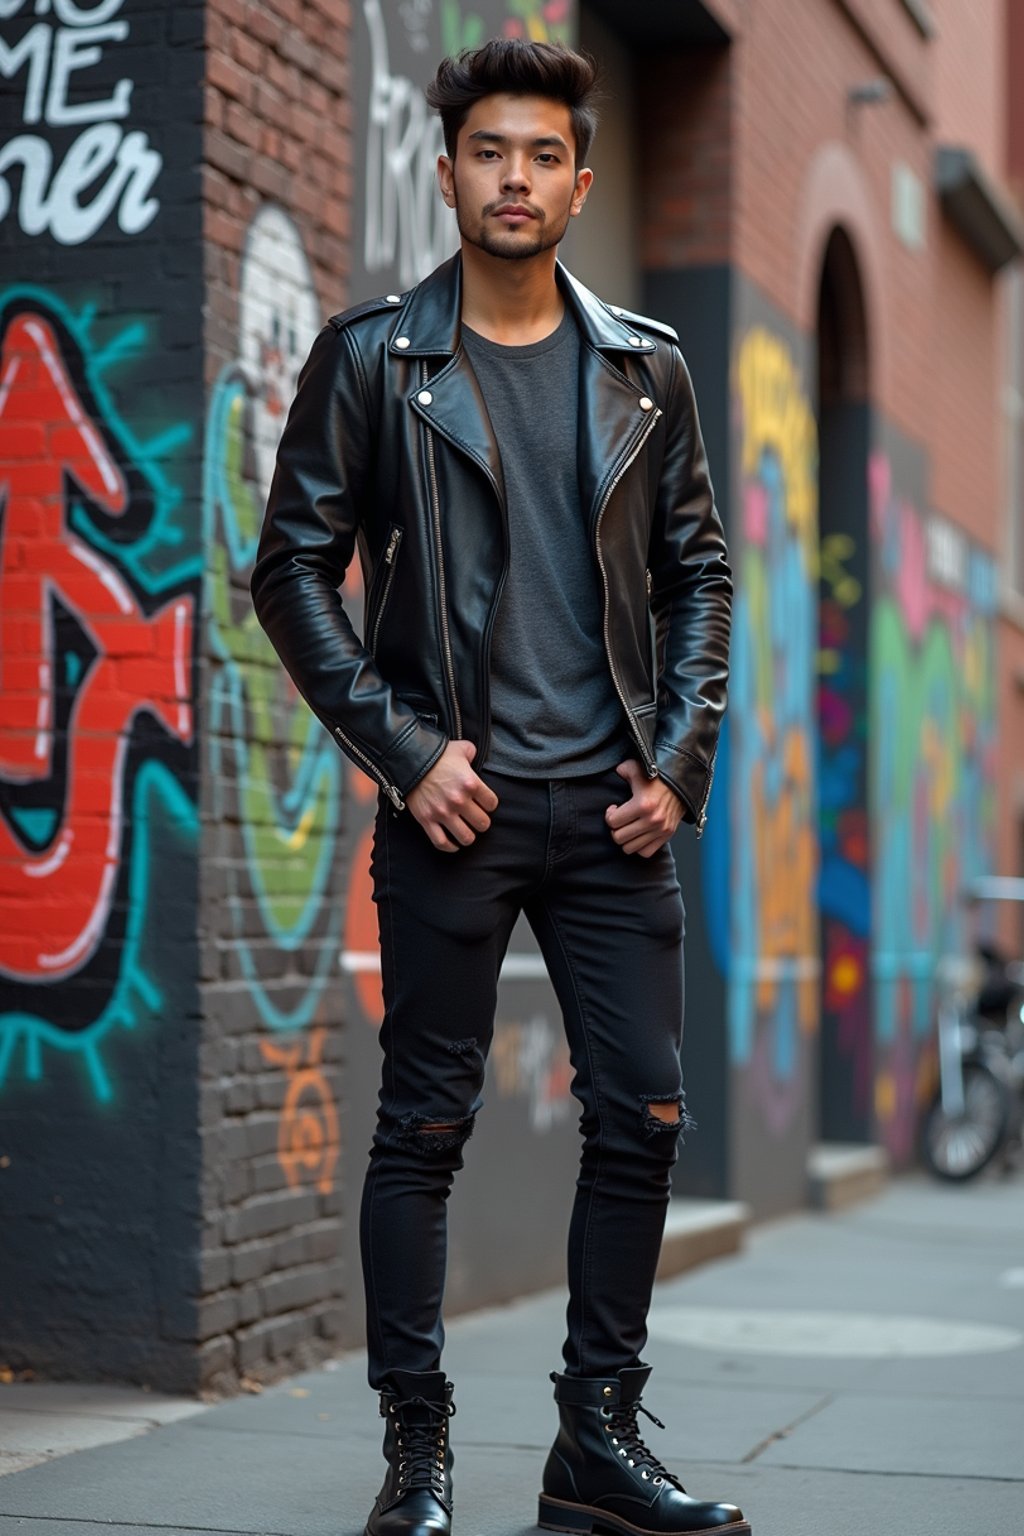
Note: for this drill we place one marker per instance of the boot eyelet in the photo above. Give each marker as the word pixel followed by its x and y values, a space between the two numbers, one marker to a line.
pixel 632 1462
pixel 646 1476
pixel 658 1480
pixel 621 1453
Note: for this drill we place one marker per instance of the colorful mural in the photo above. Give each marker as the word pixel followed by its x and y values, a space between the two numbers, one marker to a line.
pixel 276 778
pixel 773 992
pixel 98 579
pixel 541 21
pixel 933 735
pixel 844 887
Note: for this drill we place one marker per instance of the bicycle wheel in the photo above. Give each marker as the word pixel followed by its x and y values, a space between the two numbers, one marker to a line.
pixel 958 1147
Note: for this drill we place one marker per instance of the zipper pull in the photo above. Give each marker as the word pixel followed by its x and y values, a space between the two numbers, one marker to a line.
pixel 394 797
pixel 389 553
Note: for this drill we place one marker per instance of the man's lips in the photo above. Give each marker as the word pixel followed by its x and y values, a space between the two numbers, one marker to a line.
pixel 514 211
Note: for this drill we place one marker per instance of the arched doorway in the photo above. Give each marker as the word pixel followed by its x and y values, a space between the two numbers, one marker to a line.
pixel 844 435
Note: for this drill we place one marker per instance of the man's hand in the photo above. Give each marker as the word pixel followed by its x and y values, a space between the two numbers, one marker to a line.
pixel 649 817
pixel 451 802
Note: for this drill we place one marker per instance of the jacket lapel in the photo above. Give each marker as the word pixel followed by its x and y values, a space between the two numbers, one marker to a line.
pixel 428 327
pixel 609 403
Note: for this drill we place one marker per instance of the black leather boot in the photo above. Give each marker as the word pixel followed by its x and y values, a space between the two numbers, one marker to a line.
pixel 601 1477
pixel 416 1499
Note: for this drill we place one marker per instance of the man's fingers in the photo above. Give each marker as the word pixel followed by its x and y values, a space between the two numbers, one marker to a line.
pixel 484 796
pixel 460 830
pixel 645 846
pixel 476 816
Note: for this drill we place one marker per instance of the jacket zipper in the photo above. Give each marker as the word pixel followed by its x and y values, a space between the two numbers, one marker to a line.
pixel 390 556
pixel 649 763
pixel 702 814
pixel 393 794
pixel 441 584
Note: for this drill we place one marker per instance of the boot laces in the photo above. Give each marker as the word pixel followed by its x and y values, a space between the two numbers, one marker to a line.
pixel 621 1425
pixel 422 1445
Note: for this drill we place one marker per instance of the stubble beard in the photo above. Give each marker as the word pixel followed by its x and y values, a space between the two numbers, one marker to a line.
pixel 511 245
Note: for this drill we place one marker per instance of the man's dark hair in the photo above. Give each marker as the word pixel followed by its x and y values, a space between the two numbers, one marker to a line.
pixel 511 66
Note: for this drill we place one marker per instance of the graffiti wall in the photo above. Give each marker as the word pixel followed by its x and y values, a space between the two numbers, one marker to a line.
pixel 99 587
pixel 846 1110
pixel 773 959
pixel 275 781
pixel 933 768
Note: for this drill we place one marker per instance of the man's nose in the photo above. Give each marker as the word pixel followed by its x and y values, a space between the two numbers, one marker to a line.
pixel 517 174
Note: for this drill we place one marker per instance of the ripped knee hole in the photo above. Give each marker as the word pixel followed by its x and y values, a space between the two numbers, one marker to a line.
pixel 666 1112
pixel 428 1135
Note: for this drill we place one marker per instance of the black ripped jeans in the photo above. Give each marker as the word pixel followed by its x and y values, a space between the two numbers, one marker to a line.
pixel 610 927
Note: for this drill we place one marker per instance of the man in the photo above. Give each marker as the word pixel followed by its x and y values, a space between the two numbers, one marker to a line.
pixel 521 469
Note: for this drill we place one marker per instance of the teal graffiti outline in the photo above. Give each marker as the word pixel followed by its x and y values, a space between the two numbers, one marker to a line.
pixel 151 780
pixel 320 764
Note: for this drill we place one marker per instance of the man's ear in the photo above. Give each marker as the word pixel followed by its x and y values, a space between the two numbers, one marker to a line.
pixel 584 181
pixel 446 179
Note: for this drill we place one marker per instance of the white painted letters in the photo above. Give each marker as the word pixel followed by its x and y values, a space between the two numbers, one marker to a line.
pixel 106 170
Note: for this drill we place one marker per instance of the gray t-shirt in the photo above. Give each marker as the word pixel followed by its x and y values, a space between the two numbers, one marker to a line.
pixel 554 708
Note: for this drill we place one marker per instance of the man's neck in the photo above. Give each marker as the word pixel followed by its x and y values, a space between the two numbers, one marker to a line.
pixel 510 302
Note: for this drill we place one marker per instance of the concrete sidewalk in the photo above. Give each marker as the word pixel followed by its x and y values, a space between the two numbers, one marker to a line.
pixel 847 1373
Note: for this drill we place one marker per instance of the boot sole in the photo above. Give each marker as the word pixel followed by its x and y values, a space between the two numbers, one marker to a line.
pixel 582 1520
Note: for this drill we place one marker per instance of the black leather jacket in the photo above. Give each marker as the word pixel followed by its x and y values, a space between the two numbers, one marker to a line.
pixel 388 449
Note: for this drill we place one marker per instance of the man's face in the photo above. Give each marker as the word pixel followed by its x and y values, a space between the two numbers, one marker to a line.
pixel 513 183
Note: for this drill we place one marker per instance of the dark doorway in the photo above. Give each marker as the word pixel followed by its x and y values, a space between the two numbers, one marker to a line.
pixel 847 1036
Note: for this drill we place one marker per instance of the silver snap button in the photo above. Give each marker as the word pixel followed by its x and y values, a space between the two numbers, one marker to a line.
pixel 425 397
pixel 615 309
pixel 637 341
pixel 646 403
pixel 403 342
pixel 394 298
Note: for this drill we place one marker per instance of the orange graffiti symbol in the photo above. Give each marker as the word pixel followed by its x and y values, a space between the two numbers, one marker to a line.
pixel 308 1133
pixel 787 862
pixel 54 902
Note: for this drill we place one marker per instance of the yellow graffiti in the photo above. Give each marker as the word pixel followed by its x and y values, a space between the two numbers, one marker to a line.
pixel 836 550
pixel 777 415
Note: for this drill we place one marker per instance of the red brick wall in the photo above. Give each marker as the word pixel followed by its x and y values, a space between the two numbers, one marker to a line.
pixel 277 188
pixel 686 152
pixel 278 118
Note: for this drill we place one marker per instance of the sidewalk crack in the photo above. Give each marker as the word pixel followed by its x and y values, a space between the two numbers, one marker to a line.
pixel 787 1429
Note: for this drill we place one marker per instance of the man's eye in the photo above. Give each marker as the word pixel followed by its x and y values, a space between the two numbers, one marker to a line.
pixel 485 153
pixel 548 159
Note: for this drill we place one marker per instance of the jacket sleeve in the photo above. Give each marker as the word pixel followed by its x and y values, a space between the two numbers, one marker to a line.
pixel 318 494
pixel 691 600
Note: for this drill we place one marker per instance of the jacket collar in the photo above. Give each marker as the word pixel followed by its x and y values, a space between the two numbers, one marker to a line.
pixel 429 323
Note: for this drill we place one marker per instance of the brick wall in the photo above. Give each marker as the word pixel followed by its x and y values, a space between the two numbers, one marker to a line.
pixel 686 162
pixel 277 193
